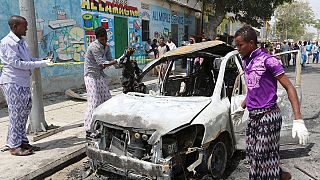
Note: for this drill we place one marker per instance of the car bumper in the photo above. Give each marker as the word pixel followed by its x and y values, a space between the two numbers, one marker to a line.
pixel 127 166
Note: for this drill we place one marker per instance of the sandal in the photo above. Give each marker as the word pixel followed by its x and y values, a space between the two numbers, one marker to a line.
pixel 30 147
pixel 20 151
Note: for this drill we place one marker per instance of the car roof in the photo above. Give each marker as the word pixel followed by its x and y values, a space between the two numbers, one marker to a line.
pixel 215 48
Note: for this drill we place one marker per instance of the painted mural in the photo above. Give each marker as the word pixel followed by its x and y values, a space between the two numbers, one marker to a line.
pixel 160 22
pixel 59 30
pixel 162 19
pixel 135 38
pixel 58 25
pixel 101 13
pixel 93 20
pixel 66 29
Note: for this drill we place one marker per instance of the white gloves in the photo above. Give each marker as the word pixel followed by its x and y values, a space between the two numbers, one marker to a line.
pixel 237 115
pixel 48 62
pixel 299 129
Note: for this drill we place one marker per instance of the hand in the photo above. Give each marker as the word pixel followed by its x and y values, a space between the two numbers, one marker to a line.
pixel 48 62
pixel 299 129
pixel 237 115
pixel 118 60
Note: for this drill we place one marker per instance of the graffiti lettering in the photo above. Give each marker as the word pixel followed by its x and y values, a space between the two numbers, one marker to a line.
pixel 109 7
pixel 177 20
pixel 161 16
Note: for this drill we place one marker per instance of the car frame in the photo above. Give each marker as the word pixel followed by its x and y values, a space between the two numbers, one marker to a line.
pixel 168 134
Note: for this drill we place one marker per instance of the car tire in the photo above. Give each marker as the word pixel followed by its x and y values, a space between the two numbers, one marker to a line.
pixel 217 160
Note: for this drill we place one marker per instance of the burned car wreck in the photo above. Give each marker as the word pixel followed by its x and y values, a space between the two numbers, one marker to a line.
pixel 181 127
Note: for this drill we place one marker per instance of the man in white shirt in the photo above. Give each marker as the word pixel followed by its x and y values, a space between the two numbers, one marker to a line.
pixel 172 46
pixel 162 48
pixel 315 52
pixel 15 83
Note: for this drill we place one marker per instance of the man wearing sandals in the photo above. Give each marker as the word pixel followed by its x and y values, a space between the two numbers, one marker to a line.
pixel 262 71
pixel 15 83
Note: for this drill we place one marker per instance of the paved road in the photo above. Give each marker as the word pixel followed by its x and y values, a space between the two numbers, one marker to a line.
pixel 307 158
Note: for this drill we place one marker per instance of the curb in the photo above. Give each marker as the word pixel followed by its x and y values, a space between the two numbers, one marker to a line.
pixel 56 165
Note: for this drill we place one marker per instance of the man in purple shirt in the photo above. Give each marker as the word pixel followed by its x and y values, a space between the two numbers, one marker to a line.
pixel 15 83
pixel 262 71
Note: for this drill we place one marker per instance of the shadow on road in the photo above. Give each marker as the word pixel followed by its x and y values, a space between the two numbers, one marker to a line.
pixel 296 152
pixel 61 143
pixel 233 163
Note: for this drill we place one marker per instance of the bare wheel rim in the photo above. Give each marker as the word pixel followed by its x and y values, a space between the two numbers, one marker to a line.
pixel 218 159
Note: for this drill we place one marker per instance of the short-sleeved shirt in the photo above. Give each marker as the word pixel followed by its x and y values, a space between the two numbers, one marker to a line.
pixel 261 70
pixel 97 54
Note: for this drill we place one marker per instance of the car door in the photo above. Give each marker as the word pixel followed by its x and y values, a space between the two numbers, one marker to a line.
pixel 239 94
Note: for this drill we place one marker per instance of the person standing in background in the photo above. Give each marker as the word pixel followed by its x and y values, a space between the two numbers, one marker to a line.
pixel 172 46
pixel 309 52
pixel 162 48
pixel 304 52
pixel 315 52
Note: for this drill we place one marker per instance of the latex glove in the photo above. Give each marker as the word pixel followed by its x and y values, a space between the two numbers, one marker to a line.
pixel 237 115
pixel 48 62
pixel 299 129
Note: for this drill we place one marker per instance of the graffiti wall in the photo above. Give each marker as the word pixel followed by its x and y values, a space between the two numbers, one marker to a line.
pixel 135 37
pixel 163 21
pixel 91 21
pixel 160 22
pixel 59 30
pixel 102 12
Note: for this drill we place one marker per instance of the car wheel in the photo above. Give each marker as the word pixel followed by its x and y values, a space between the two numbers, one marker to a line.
pixel 217 160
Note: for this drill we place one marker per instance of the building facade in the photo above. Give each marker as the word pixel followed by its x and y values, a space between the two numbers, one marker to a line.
pixel 66 27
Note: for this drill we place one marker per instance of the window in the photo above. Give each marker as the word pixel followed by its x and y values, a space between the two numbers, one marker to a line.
pixel 145 30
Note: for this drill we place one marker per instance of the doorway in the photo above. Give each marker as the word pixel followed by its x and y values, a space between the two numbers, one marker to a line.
pixel 174 33
pixel 120 35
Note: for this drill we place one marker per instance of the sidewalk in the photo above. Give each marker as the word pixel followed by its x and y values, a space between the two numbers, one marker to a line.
pixel 55 149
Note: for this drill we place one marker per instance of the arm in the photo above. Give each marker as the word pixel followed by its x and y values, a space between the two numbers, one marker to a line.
pixel 14 59
pixel 292 94
pixel 244 104
pixel 109 58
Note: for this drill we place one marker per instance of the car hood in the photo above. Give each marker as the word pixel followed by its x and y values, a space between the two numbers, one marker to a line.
pixel 160 113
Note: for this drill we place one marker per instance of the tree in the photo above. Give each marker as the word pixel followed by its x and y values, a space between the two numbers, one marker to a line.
pixel 292 18
pixel 316 25
pixel 252 12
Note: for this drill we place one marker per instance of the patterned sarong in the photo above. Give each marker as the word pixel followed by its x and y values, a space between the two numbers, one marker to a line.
pixel 19 107
pixel 97 93
pixel 263 135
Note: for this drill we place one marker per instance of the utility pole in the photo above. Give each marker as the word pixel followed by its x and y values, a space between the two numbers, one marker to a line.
pixel 37 120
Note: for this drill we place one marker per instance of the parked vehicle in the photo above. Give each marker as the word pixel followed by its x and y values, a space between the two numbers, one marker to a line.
pixel 182 126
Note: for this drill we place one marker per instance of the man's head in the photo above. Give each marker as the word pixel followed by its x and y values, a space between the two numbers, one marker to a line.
pixel 101 35
pixel 192 39
pixel 162 41
pixel 154 41
pixel 18 25
pixel 246 40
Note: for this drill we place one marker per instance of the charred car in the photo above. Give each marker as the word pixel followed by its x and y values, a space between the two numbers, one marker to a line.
pixel 181 127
